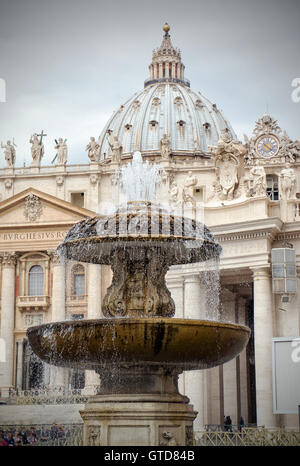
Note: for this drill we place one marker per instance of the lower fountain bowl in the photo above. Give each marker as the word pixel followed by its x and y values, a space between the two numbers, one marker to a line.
pixel 106 344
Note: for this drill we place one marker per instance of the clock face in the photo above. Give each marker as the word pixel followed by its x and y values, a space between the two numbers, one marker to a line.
pixel 267 146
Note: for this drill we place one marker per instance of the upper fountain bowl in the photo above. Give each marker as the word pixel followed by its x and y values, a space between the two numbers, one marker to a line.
pixel 138 225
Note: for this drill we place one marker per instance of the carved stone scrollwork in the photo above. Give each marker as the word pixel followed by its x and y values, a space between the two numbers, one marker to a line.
pixel 138 287
pixel 8 259
pixel 55 258
pixel 227 154
pixel 33 208
pixel 94 179
pixel 8 183
pixel 60 180
pixel 168 439
pixel 94 435
pixel 270 144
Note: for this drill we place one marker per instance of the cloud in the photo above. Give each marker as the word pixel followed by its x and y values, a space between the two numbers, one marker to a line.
pixel 69 64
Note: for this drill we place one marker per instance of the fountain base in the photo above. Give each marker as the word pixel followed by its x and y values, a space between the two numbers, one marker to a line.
pixel 138 406
pixel 138 420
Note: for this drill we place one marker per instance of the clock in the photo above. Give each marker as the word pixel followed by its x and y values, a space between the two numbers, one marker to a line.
pixel 267 146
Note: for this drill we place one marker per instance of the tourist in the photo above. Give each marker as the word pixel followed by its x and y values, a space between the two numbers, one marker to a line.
pixel 228 424
pixel 3 442
pixel 61 431
pixel 31 438
pixel 10 440
pixel 24 436
pixel 53 431
pixel 19 440
pixel 241 424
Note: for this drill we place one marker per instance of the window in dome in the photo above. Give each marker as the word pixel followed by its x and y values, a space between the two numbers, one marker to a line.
pixel 206 125
pixel 156 101
pixel 178 101
pixel 181 123
pixel 153 124
pixel 136 104
pixel 199 104
pixel 128 126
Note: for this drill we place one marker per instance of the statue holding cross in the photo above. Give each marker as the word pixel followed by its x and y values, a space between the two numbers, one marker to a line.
pixel 37 148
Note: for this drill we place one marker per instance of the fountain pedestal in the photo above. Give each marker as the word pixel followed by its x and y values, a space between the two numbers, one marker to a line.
pixel 146 410
pixel 136 420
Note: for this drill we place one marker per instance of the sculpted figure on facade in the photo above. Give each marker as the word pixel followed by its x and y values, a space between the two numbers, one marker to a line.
pixel 9 153
pixel 174 193
pixel 226 144
pixel 37 150
pixel 289 149
pixel 266 125
pixel 165 146
pixel 287 180
pixel 93 149
pixel 188 188
pixel 33 208
pixel 226 154
pixel 116 148
pixel 62 151
pixel 257 181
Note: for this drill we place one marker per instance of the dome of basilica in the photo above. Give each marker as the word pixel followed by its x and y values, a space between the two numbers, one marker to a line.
pixel 166 107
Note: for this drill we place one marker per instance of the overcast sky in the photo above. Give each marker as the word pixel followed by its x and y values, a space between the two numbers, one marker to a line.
pixel 68 64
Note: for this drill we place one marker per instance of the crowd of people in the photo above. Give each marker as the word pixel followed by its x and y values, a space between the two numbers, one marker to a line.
pixel 23 436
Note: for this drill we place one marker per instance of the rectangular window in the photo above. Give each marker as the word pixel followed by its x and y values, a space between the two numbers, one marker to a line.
pixel 77 199
pixel 79 284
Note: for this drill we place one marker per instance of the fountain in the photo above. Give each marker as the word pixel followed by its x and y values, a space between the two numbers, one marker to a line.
pixel 139 348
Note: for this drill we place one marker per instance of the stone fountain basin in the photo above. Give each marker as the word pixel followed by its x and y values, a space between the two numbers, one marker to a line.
pixel 106 344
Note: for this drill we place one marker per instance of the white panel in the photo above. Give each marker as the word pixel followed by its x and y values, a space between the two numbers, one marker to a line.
pixel 286 375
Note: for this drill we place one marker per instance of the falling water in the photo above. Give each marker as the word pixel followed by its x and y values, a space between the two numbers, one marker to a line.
pixel 139 180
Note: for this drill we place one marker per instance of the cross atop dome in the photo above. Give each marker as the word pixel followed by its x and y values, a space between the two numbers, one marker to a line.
pixel 166 63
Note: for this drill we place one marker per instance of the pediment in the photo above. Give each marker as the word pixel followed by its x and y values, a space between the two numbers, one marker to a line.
pixel 35 208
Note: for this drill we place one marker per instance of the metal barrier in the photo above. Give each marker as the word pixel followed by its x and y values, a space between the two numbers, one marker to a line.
pixel 46 396
pixel 255 436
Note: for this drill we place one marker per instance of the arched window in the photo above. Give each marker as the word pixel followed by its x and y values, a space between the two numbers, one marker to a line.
pixel 36 281
pixel 78 280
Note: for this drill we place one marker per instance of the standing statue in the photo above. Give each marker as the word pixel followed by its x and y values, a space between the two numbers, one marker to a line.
pixel 62 151
pixel 37 150
pixel 258 180
pixel 9 153
pixel 93 149
pixel 165 146
pixel 116 148
pixel 188 188
pixel 287 179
